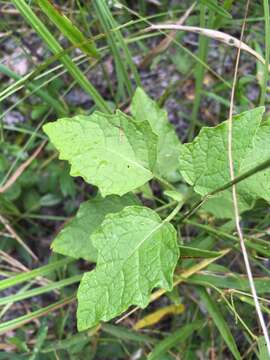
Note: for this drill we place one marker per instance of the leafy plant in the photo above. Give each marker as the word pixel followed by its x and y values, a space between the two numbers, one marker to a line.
pixel 135 250
pixel 204 162
pixel 152 248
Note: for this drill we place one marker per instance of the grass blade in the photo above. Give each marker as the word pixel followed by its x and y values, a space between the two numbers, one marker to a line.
pixel 174 339
pixel 181 278
pixel 117 44
pixel 68 342
pixel 263 353
pixel 200 70
pixel 219 321
pixel 13 324
pixel 231 281
pixel 187 251
pixel 68 29
pixel 41 271
pixel 41 337
pixel 56 48
pixel 40 290
pixel 125 334
pixel 212 5
pixel 44 95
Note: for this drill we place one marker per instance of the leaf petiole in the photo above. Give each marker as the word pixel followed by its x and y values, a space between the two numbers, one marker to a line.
pixel 174 212
pixel 164 182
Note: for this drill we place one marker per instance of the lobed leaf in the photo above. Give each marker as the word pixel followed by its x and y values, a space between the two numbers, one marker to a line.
pixel 110 151
pixel 204 162
pixel 169 146
pixel 75 239
pixel 136 252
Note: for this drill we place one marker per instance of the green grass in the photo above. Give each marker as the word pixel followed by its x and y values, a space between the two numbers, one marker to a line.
pixel 54 46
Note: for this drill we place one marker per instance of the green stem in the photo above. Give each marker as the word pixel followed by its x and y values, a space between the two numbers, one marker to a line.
pixel 164 182
pixel 267 51
pixel 264 165
pixel 174 212
pixel 166 206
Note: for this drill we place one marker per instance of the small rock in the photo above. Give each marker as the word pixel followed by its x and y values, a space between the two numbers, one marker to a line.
pixel 77 97
pixel 17 62
pixel 13 117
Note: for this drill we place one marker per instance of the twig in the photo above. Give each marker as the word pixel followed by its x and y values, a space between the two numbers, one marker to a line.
pixel 165 43
pixel 264 165
pixel 16 236
pixel 21 168
pixel 213 34
pixel 234 194
pixel 13 262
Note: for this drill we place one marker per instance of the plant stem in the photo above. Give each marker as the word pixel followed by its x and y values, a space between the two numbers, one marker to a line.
pixel 166 206
pixel 164 182
pixel 174 212
pixel 264 165
pixel 267 52
pixel 235 199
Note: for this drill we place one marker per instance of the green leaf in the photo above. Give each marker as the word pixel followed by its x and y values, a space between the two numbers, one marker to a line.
pixel 204 162
pixel 110 151
pixel 219 321
pixel 67 28
pixel 75 239
pixel 136 253
pixel 263 352
pixel 169 146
